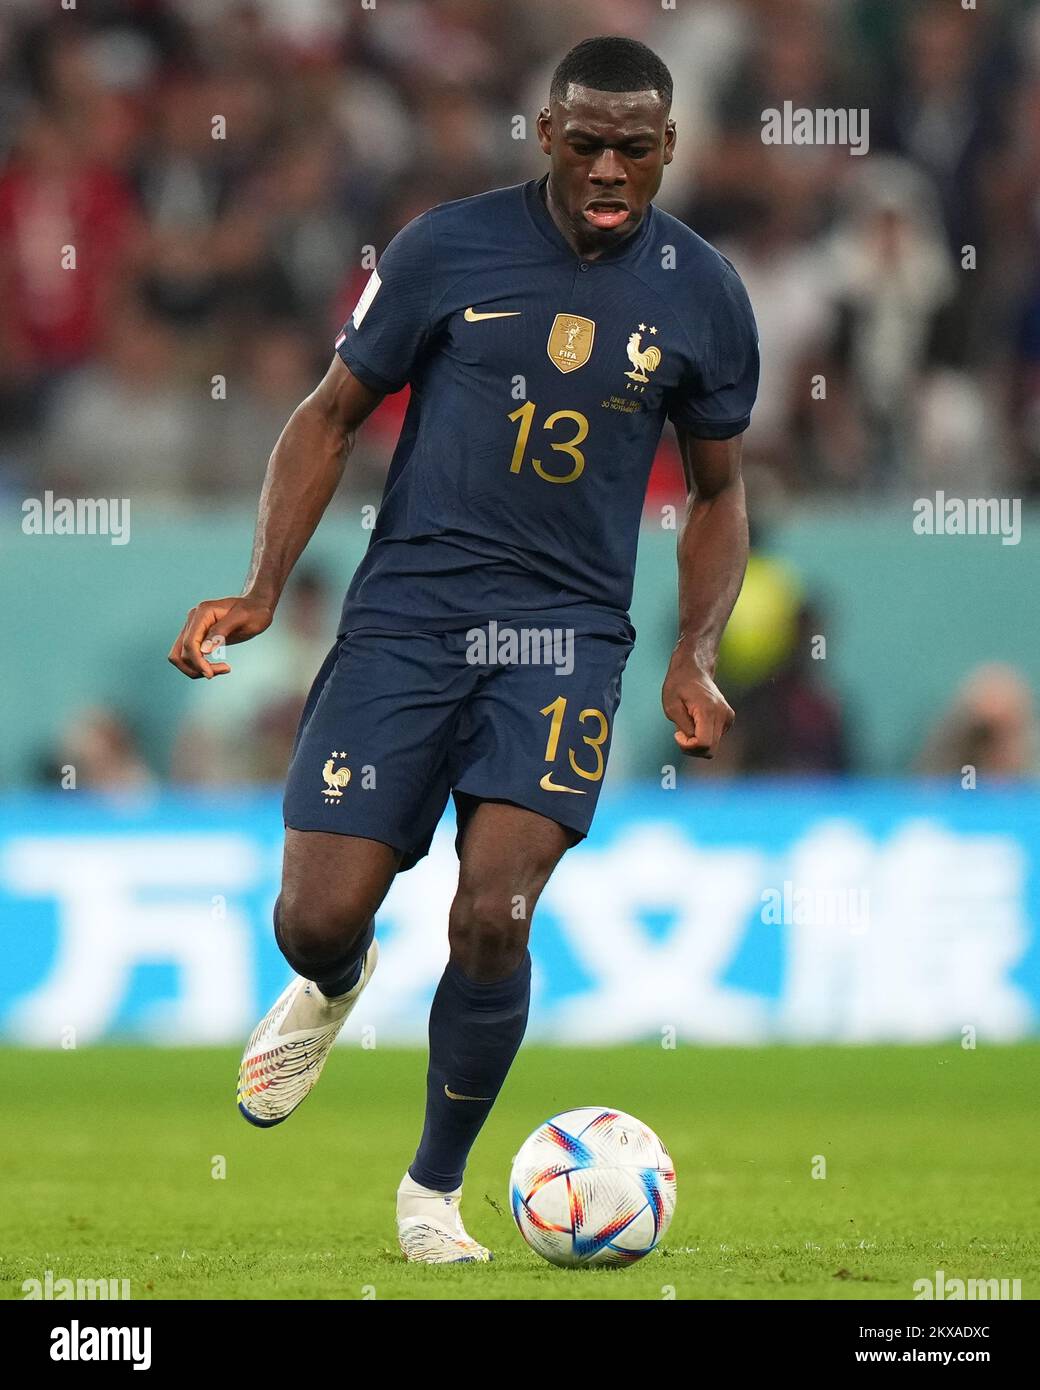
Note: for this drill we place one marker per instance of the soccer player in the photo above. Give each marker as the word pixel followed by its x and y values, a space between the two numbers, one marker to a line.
pixel 546 331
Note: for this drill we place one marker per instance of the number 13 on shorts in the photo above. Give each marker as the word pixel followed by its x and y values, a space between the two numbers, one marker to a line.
pixel 598 729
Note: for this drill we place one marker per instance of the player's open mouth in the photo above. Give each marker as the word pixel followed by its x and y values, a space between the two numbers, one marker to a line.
pixel 605 215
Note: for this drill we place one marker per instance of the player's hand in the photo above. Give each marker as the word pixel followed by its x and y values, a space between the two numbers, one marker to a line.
pixel 695 705
pixel 210 625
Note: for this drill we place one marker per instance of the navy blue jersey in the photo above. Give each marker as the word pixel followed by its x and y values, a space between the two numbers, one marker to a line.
pixel 539 388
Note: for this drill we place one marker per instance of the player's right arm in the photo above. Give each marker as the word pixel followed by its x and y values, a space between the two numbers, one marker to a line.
pixel 303 473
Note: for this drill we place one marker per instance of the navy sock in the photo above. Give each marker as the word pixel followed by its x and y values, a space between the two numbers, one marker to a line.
pixel 475 1032
pixel 336 976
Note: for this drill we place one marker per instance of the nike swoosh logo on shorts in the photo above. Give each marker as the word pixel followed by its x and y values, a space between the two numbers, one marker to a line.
pixel 471 315
pixel 548 785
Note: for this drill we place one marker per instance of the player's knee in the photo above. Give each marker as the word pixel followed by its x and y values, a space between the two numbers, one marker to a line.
pixel 487 933
pixel 313 931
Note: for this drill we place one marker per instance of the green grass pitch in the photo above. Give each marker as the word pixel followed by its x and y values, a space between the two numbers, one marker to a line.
pixel 108 1156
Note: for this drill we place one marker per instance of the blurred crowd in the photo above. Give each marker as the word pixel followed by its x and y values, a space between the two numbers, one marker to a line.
pixel 219 168
pixel 191 191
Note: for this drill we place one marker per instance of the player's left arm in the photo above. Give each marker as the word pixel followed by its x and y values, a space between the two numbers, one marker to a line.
pixel 713 551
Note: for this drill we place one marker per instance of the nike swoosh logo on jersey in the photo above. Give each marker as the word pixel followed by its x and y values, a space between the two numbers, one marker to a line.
pixel 471 315
pixel 548 785
pixel 453 1095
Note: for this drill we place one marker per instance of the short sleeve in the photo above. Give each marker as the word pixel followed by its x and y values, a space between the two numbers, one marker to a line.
pixel 714 399
pixel 385 336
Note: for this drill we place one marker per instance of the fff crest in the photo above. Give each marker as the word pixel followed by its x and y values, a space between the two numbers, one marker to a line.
pixel 570 341
pixel 335 778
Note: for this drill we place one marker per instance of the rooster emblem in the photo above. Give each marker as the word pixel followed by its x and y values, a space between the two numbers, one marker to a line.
pixel 643 359
pixel 336 778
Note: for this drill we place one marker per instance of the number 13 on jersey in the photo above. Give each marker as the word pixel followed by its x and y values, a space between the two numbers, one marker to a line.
pixel 525 416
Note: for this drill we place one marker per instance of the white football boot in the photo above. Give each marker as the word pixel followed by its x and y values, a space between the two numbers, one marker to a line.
pixel 284 1057
pixel 430 1229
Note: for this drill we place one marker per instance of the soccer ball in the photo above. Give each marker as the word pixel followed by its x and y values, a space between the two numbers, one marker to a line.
pixel 592 1186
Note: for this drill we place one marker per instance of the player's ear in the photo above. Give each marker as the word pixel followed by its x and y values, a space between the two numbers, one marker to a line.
pixel 669 141
pixel 544 128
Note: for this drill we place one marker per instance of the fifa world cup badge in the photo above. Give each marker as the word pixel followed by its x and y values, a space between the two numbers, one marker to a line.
pixel 570 341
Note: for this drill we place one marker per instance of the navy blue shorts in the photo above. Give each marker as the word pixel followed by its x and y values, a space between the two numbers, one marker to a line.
pixel 395 722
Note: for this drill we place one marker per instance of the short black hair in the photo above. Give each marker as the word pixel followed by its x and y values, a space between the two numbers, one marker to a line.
pixel 610 63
